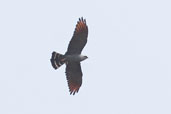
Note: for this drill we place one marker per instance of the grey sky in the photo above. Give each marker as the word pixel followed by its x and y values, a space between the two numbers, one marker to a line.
pixel 129 50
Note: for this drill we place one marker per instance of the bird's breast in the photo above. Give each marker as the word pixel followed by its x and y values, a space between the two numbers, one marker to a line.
pixel 74 58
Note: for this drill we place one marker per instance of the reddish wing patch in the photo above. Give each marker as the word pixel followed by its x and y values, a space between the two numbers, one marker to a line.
pixel 81 26
pixel 73 87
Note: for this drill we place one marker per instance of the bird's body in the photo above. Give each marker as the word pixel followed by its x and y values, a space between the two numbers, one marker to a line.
pixel 73 57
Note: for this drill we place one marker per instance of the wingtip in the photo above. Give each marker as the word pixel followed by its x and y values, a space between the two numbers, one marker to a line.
pixel 73 90
pixel 82 19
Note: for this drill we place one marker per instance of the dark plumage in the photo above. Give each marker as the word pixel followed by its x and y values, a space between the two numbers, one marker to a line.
pixel 73 57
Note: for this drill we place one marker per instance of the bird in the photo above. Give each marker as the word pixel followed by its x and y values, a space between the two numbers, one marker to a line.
pixel 73 57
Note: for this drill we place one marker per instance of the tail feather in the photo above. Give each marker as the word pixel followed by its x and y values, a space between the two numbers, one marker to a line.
pixel 57 60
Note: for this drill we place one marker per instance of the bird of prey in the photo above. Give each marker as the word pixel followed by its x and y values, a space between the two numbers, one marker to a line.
pixel 73 57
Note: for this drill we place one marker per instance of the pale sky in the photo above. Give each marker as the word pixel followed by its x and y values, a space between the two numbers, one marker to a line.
pixel 129 48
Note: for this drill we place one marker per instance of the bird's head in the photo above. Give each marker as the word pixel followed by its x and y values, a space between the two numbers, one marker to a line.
pixel 83 57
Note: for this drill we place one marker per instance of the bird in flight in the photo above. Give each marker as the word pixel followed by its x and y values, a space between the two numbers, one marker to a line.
pixel 73 57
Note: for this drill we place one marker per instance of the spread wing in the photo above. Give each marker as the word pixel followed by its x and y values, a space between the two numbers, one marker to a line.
pixel 79 38
pixel 74 76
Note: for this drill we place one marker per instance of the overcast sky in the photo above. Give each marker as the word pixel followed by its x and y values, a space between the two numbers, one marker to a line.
pixel 129 48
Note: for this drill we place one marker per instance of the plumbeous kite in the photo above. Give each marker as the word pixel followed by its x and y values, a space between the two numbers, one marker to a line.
pixel 73 57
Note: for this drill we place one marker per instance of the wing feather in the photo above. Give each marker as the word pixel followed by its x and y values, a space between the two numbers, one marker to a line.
pixel 79 38
pixel 74 76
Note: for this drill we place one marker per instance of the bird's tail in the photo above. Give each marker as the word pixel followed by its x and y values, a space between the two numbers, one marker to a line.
pixel 57 60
